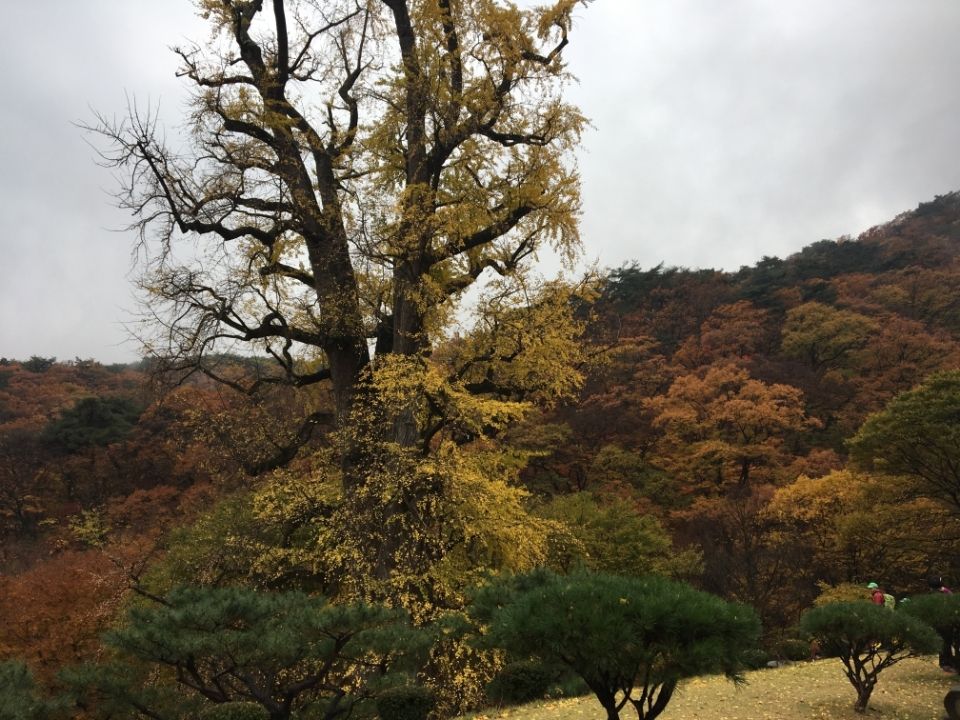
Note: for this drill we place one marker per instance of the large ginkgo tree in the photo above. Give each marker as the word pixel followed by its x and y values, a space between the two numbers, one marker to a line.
pixel 351 169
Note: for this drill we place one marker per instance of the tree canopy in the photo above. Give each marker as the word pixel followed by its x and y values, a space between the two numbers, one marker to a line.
pixel 20 698
pixel 285 652
pixel 93 421
pixel 352 168
pixel 868 639
pixel 630 639
pixel 941 611
pixel 917 436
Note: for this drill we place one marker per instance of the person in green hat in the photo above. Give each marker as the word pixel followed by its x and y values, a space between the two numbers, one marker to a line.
pixel 878 596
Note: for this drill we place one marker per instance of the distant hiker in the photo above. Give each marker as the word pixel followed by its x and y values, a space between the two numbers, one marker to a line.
pixel 948 663
pixel 936 585
pixel 879 597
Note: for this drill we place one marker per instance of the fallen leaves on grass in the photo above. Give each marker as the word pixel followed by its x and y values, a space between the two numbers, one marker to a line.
pixel 910 690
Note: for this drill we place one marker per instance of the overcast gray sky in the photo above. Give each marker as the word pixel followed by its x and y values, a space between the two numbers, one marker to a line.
pixel 724 130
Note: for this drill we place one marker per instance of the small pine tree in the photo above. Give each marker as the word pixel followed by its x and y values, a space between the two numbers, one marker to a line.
pixel 940 611
pixel 868 639
pixel 630 639
pixel 233 647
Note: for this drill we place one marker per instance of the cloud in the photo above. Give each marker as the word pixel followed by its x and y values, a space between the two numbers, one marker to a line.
pixel 724 131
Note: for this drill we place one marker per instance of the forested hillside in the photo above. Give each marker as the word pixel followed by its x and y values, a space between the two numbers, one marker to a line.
pixel 727 404
pixel 717 436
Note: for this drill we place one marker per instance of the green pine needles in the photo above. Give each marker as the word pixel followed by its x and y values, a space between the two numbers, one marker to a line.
pixel 868 639
pixel 630 639
pixel 287 653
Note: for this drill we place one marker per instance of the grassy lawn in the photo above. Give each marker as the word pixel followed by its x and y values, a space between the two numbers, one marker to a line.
pixel 910 690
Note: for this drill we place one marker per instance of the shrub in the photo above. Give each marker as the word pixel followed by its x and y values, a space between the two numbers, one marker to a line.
pixel 407 702
pixel 868 639
pixel 568 685
pixel 794 649
pixel 520 682
pixel 458 672
pixel 755 658
pixel 841 592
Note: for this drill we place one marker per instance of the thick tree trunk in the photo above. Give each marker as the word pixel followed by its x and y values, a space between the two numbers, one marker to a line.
pixel 408 310
pixel 864 690
pixel 610 706
pixel 659 703
pixel 409 338
pixel 607 699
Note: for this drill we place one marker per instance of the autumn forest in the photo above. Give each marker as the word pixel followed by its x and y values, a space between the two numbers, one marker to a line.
pixel 372 464
pixel 724 432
